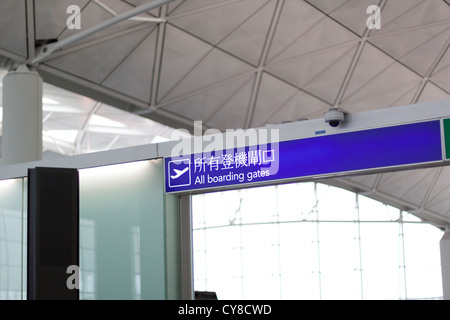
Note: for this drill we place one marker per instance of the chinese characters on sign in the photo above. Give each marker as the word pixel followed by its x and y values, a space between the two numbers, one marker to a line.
pixel 229 161
pixel 229 167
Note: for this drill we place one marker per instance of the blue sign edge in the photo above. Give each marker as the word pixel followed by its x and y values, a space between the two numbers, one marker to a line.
pixel 434 155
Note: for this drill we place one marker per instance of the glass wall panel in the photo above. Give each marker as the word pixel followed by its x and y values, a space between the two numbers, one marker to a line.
pixel 122 232
pixel 259 204
pixel 311 241
pixel 299 261
pixel 222 263
pixel 422 257
pixel 339 261
pixel 261 261
pixel 304 205
pixel 12 240
pixel 372 210
pixel 381 260
pixel 335 204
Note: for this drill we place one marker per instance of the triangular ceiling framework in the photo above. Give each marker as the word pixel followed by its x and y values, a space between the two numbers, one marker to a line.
pixel 245 38
pixel 431 91
pixel 441 74
pixel 92 15
pixel 376 72
pixel 412 14
pixel 295 105
pixel 345 11
pixel 178 7
pixel 200 76
pixel 182 10
pixel 394 184
pixel 301 30
pixel 134 75
pixel 415 49
pixel 234 112
pixel 438 199
pixel 200 70
pixel 207 103
pixel 103 57
pixel 321 74
pixel 51 24
pixel 14 42
pixel 248 41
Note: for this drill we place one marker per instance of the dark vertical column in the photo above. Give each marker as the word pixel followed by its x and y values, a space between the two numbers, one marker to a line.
pixel 53 233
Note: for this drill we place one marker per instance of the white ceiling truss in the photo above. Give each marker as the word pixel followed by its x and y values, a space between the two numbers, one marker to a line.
pixel 245 63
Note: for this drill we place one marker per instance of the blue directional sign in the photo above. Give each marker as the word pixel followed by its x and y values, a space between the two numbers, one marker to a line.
pixel 387 147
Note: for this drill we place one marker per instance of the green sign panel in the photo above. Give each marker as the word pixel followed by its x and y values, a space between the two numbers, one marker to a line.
pixel 447 138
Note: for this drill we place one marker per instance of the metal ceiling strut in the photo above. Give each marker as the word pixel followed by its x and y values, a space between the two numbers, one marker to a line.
pixel 46 50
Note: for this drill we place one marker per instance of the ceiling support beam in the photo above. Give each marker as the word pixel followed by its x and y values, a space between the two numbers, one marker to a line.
pixel 205 8
pixel 409 29
pixel 253 98
pixel 202 90
pixel 349 74
pixel 97 92
pixel 397 60
pixel 158 59
pixel 433 67
pixel 354 63
pixel 355 60
pixel 9 60
pixel 262 63
pixel 46 50
pixel 332 48
pixel 114 14
pixel 30 29
pixel 82 133
pixel 94 42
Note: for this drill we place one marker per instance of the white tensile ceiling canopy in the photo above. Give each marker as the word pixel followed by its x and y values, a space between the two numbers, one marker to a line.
pixel 241 64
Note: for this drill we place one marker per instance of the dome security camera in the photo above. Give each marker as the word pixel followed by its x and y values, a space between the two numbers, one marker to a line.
pixel 334 117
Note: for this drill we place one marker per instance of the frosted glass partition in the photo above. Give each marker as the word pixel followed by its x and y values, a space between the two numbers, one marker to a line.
pixel 128 238
pixel 13 239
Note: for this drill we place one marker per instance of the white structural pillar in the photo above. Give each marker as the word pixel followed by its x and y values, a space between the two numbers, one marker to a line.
pixel 22 117
pixel 445 264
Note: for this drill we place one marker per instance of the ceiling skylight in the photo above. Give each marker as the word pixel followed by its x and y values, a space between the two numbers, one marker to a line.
pixel 100 121
pixel 46 100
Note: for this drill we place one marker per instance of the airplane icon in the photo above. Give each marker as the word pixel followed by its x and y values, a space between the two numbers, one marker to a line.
pixel 178 173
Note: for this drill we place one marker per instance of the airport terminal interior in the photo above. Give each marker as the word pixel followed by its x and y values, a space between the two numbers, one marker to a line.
pixel 120 81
